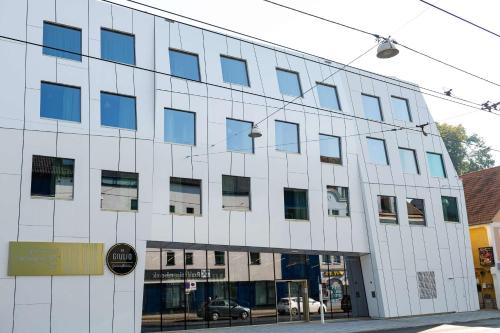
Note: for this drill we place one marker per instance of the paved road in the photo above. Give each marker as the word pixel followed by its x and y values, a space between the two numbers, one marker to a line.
pixel 480 326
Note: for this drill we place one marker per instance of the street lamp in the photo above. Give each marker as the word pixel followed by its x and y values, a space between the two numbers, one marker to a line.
pixel 255 132
pixel 387 49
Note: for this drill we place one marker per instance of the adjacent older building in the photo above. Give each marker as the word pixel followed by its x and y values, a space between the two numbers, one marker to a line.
pixel 120 126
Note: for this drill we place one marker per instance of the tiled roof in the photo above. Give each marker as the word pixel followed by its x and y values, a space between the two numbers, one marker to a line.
pixel 482 194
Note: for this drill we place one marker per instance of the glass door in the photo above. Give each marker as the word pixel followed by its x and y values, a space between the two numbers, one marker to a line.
pixel 290 296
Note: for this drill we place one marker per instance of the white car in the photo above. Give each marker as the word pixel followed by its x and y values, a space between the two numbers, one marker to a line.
pixel 289 304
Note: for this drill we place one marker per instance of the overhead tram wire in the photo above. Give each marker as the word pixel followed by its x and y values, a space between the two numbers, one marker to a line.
pixel 395 42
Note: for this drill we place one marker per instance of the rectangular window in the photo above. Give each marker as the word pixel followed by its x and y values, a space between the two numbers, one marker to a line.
pixel 62 41
pixel 371 107
pixel 170 258
pixel 184 65
pixel 117 46
pixel 336 260
pixel 52 177
pixel 180 127
pixel 60 102
pixel 289 82
pixel 328 97
pixel 436 165
pixel 377 151
pixel 185 196
pixel 401 108
pixel 326 259
pixel 296 205
pixel 329 149
pixel 387 209
pixel 254 258
pixel 338 200
pixel 416 211
pixel 450 209
pixel 237 136
pixel 235 193
pixel 234 70
pixel 119 190
pixel 189 258
pixel 408 160
pixel 287 137
pixel 118 111
pixel 220 258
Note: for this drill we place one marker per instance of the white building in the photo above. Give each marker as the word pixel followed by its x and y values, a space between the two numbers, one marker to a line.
pixel 107 103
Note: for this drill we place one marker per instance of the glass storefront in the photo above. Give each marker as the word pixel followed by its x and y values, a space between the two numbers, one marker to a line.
pixel 193 288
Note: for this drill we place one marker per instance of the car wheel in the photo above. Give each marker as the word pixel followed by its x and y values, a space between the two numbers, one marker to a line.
pixel 215 316
pixel 244 315
pixel 294 311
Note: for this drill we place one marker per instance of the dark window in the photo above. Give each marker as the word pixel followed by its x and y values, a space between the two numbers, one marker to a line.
pixel 416 211
pixel 387 209
pixel 172 209
pixel 450 209
pixel 254 258
pixel 189 210
pixel 371 107
pixel 237 135
pixel 62 41
pixel 408 158
pixel 184 65
pixel 296 206
pixel 52 177
pixel 220 258
pixel 117 46
pixel 336 260
pixel 287 137
pixel 338 200
pixel 329 149
pixel 234 70
pixel 189 258
pixel 436 165
pixel 170 258
pixel 60 102
pixel 377 151
pixel 185 195
pixel 235 193
pixel 400 108
pixel 180 127
pixel 326 259
pixel 289 82
pixel 118 111
pixel 119 190
pixel 328 97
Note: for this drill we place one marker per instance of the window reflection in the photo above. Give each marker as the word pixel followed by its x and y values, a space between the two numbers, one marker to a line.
pixel 296 205
pixel 408 160
pixel 60 102
pixel 329 148
pixel 400 108
pixel 185 196
pixel 235 193
pixel 237 135
pixel 371 107
pixel 289 83
pixel 436 165
pixel 52 177
pixel 387 209
pixel 119 190
pixel 338 200
pixel 416 212
pixel 117 46
pixel 234 70
pixel 184 65
pixel 450 209
pixel 287 137
pixel 377 151
pixel 59 39
pixel 180 126
pixel 328 97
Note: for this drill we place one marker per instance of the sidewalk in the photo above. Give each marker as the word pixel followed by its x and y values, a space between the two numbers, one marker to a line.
pixel 359 325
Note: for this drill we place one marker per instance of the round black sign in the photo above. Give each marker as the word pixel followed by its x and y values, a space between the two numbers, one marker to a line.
pixel 121 259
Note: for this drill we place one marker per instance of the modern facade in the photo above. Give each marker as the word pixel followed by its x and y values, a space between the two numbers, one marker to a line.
pixel 119 126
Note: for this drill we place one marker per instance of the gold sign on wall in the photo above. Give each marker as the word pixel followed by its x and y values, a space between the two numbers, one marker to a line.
pixel 45 258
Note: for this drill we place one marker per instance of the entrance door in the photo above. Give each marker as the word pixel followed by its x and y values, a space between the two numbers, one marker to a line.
pixel 292 300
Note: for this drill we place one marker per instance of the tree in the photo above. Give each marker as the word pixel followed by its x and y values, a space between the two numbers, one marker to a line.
pixel 467 153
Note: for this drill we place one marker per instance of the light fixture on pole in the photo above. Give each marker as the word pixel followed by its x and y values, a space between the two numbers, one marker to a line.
pixel 255 132
pixel 387 48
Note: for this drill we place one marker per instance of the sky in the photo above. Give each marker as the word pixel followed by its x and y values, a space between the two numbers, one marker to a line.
pixel 410 22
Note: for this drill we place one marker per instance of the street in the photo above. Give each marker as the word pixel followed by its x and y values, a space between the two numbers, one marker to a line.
pixel 479 326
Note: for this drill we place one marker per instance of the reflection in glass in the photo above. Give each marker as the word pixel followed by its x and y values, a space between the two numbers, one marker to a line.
pixel 287 137
pixel 237 135
pixel 117 46
pixel 296 206
pixel 408 160
pixel 118 111
pixel 329 148
pixel 184 65
pixel 196 292
pixel 235 193
pixel 119 190
pixel 185 196
pixel 436 165
pixel 338 200
pixel 173 289
pixel 450 209
pixel 52 177
pixel 179 126
pixel 218 306
pixel 387 209
pixel 371 107
pixel 239 288
pixel 376 151
pixel 152 306
pixel 60 102
pixel 328 97
pixel 400 108
pixel 262 290
pixel 289 83
pixel 234 70
pixel 416 212
pixel 60 39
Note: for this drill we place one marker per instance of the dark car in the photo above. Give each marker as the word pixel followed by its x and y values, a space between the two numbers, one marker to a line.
pixel 222 308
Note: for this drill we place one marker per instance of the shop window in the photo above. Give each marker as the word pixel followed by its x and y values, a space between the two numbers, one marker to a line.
pixel 180 127
pixel 296 205
pixel 119 190
pixel 62 41
pixel 416 211
pixel 184 65
pixel 52 177
pixel 289 82
pixel 118 111
pixel 329 149
pixel 60 102
pixel 387 209
pixel 117 46
pixel 450 209
pixel 234 70
pixel 185 196
pixel 338 200
pixel 235 193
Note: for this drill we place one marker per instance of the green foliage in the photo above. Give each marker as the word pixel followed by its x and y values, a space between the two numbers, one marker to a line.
pixel 468 153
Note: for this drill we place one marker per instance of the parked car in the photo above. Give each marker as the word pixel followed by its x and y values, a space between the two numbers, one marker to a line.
pixel 290 304
pixel 222 308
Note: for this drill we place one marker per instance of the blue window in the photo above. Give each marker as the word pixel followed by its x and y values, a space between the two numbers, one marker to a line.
pixel 287 137
pixel 184 65
pixel 408 159
pixel 118 111
pixel 371 106
pixel 117 46
pixel 436 165
pixel 400 108
pixel 60 102
pixel 234 70
pixel 62 41
pixel 377 151
pixel 180 127
pixel 237 136
pixel 329 149
pixel 328 97
pixel 289 82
